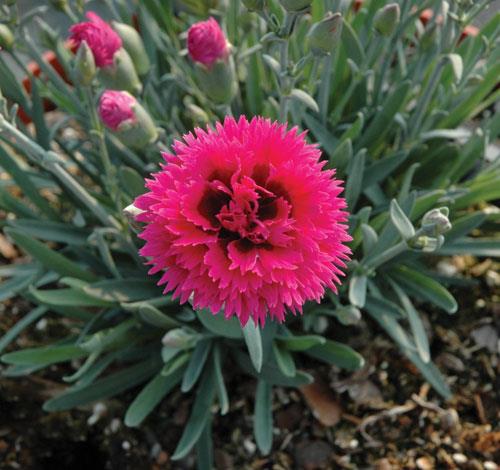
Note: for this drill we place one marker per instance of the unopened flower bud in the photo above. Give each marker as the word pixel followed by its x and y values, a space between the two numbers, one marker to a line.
pixel 387 18
pixel 426 244
pixel 207 43
pixel 324 35
pixel 214 67
pixel 133 44
pixel 121 75
pixel 122 114
pixel 254 5
pixel 101 38
pixel 219 81
pixel 295 5
pixel 436 222
pixel 84 70
pixel 6 37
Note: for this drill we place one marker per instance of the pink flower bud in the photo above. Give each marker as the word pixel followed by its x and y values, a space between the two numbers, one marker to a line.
pixel 207 42
pixel 101 38
pixel 127 119
pixel 115 108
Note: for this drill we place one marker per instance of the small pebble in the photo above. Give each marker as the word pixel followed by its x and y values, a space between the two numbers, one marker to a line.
pixel 249 446
pixel 459 458
pixel 488 465
pixel 480 303
pixel 114 425
pixel 155 450
pixel 41 325
pixel 98 412
pixel 425 463
pixel 450 420
pixel 162 458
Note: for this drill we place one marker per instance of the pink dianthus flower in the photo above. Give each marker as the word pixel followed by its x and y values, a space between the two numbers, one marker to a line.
pixel 243 219
pixel 115 108
pixel 207 42
pixel 100 37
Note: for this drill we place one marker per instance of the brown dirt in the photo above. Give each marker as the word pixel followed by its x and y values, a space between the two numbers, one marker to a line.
pixel 390 419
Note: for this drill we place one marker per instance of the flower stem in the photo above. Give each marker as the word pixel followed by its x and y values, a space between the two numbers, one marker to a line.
pixel 288 23
pixel 97 133
pixel 311 86
pixel 324 88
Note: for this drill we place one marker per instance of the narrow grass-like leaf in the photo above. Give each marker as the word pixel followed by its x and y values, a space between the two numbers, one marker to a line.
pixel 106 387
pixel 67 298
pixel 284 359
pixel 300 343
pixel 132 181
pixel 352 44
pixel 196 364
pixel 44 356
pixel 150 396
pixel 48 257
pixel 465 225
pixel 322 134
pixel 205 448
pixel 263 417
pixel 381 169
pixel 227 328
pixel 27 320
pixel 431 374
pixel 472 246
pixel 338 354
pixel 271 372
pixel 122 290
pixel 200 414
pixel 357 290
pixel 219 381
pixel 341 156
pixel 401 221
pixel 152 316
pixel 381 306
pixel 381 123
pixel 416 324
pixel 51 231
pixel 354 183
pixel 424 287
pixel 253 340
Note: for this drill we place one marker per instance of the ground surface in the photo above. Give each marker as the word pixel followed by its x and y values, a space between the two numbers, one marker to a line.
pixel 383 417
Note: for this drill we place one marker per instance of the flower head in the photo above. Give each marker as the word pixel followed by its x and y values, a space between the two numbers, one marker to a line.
pixel 101 38
pixel 116 107
pixel 242 218
pixel 207 42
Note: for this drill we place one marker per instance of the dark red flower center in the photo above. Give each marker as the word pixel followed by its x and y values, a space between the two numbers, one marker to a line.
pixel 241 209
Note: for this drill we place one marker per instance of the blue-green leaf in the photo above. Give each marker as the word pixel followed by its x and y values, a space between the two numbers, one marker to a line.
pixel 253 340
pixel 150 396
pixel 200 414
pixel 196 363
pixel 341 355
pixel 263 417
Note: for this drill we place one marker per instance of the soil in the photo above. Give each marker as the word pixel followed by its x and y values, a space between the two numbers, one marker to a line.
pixel 382 417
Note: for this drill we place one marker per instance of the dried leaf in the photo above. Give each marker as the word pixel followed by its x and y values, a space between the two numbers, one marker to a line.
pixel 322 402
pixel 7 250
